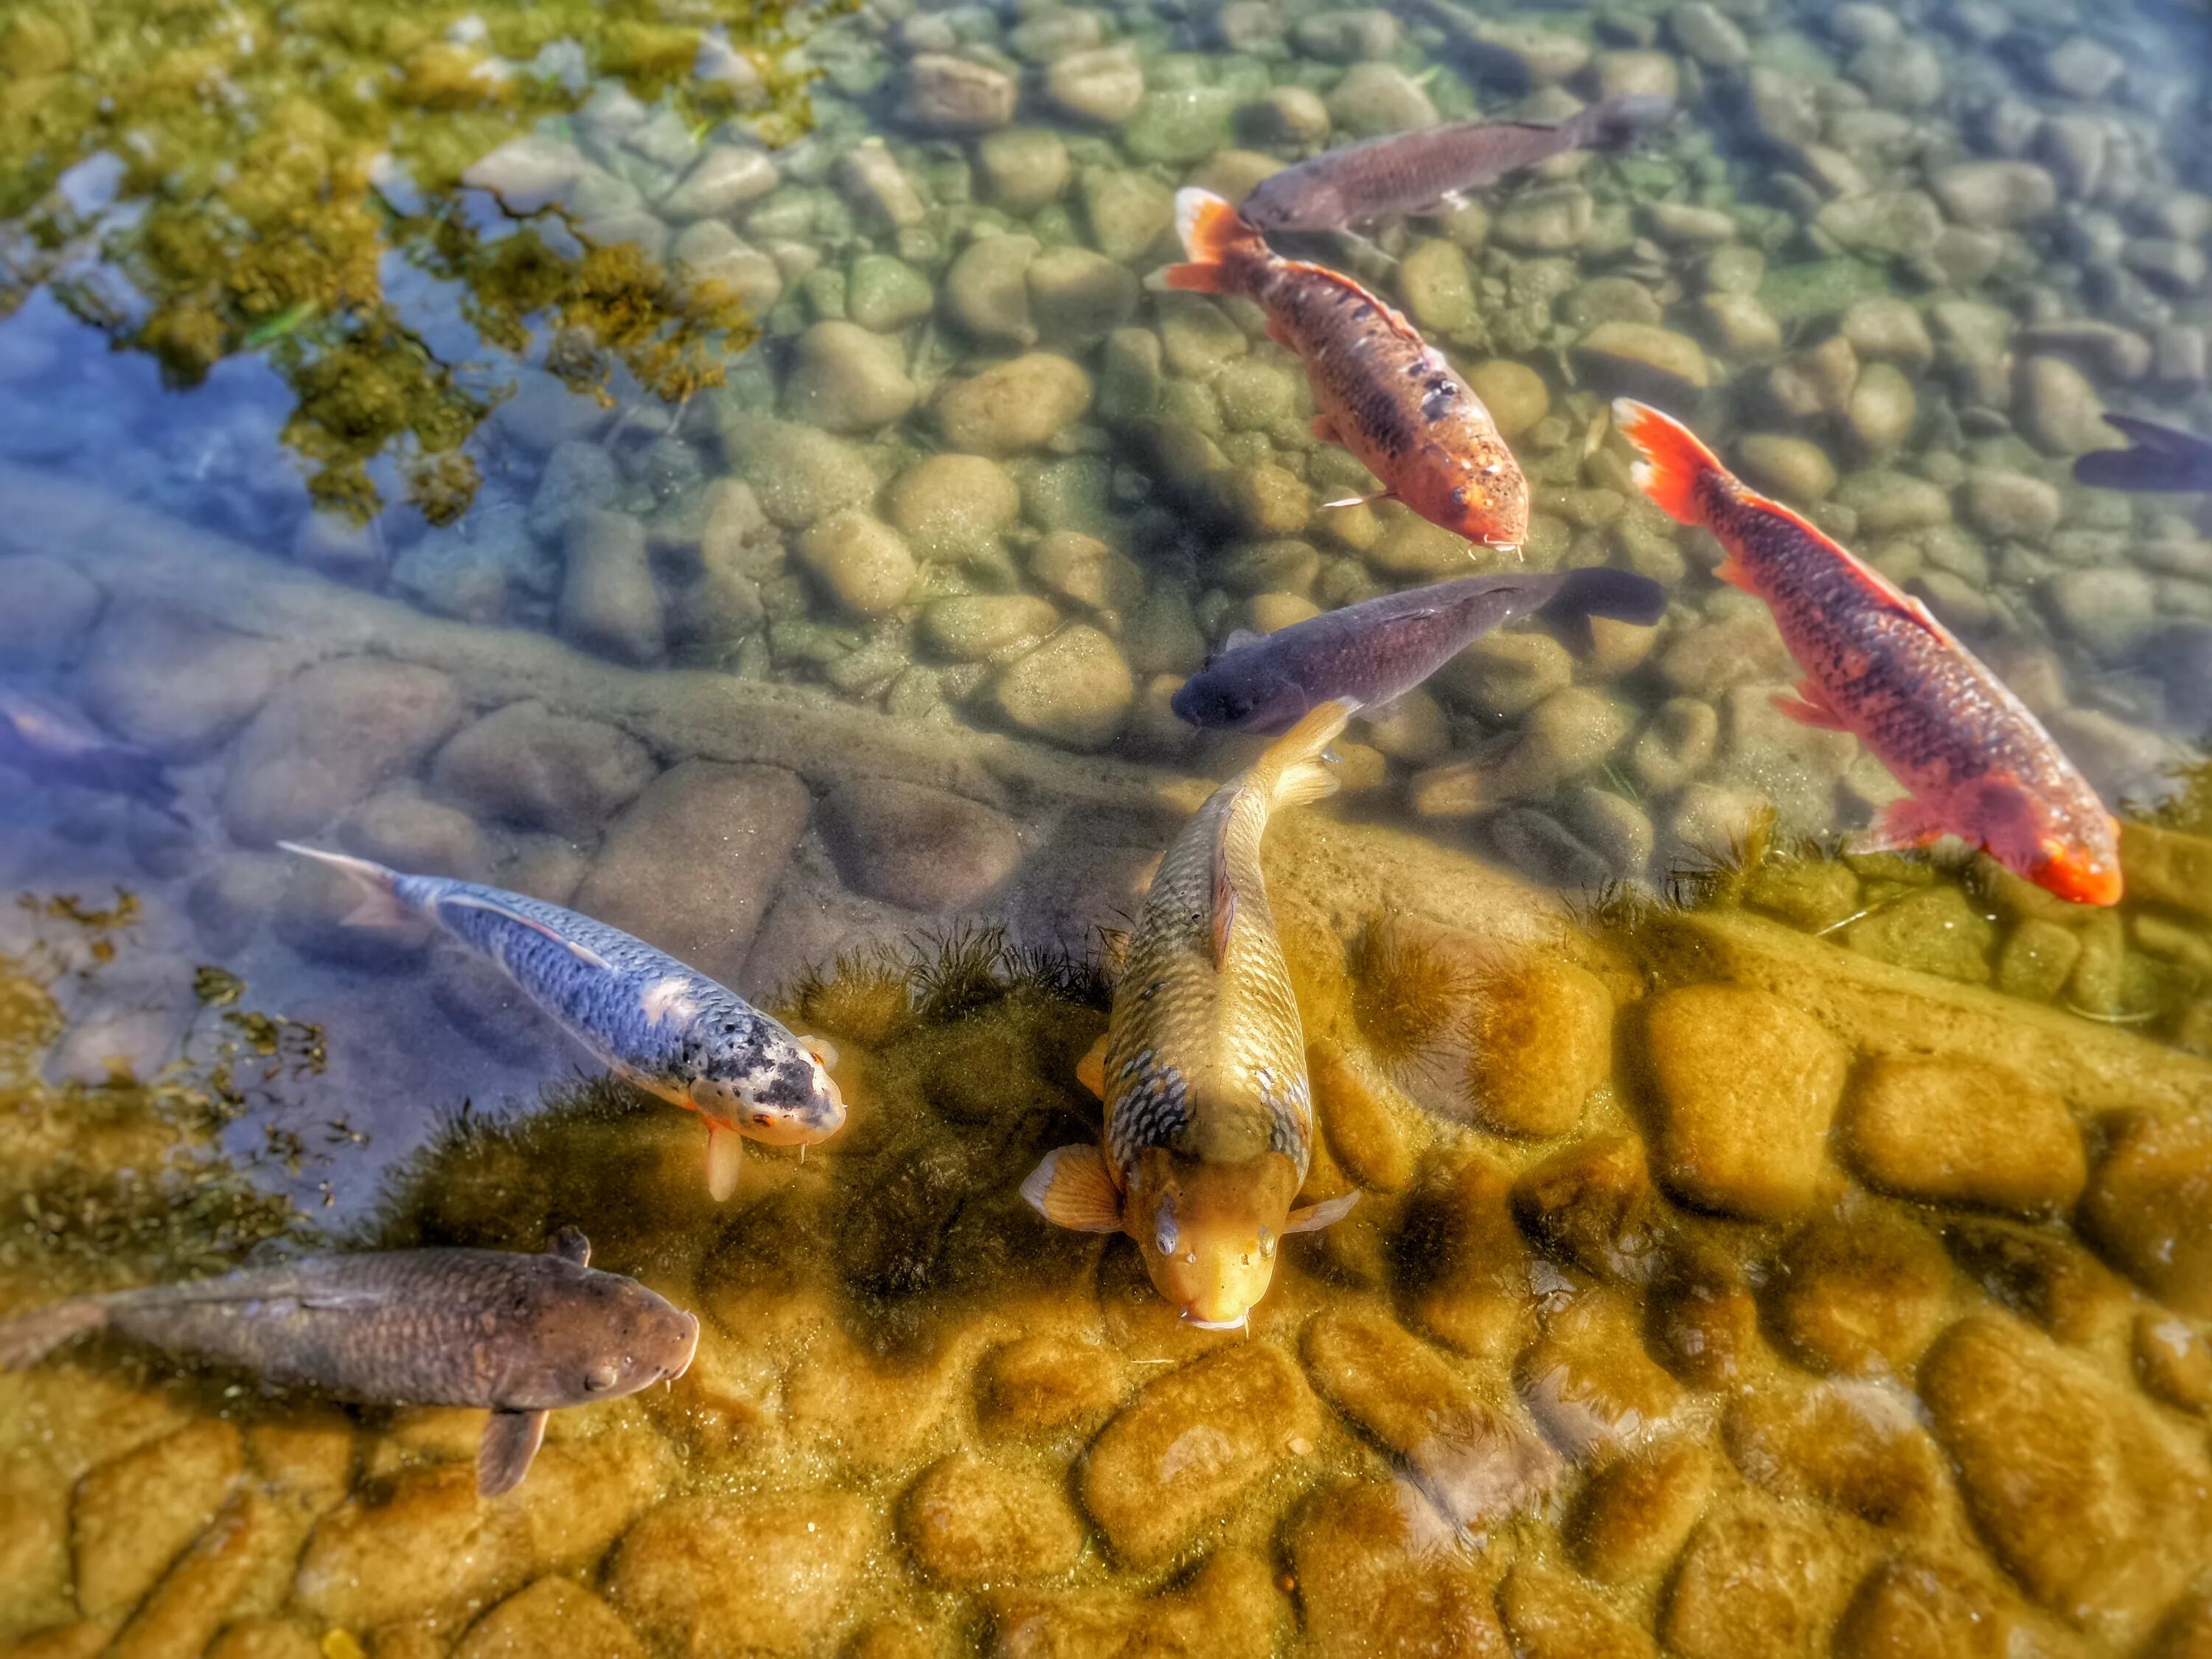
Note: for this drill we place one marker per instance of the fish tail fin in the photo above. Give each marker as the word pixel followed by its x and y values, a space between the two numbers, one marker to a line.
pixel 26 1340
pixel 380 904
pixel 1673 465
pixel 1601 591
pixel 1618 123
pixel 1218 240
pixel 1293 770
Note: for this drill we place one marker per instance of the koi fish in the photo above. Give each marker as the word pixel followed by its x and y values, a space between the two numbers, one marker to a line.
pixel 1426 171
pixel 1379 649
pixel 1209 1118
pixel 519 1333
pixel 2161 458
pixel 51 743
pixel 1879 666
pixel 666 1027
pixel 1382 392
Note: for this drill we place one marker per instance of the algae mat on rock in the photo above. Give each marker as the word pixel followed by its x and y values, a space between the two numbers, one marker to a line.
pixel 1671 1315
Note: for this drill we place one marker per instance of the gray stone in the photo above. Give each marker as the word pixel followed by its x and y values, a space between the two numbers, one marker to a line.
pixel 1013 406
pixel 1105 85
pixel 2012 506
pixel 862 560
pixel 987 289
pixel 729 830
pixel 922 848
pixel 1348 36
pixel 1374 99
pixel 609 603
pixel 725 178
pixel 797 474
pixel 2111 612
pixel 2060 410
pixel 1995 195
pixel 845 379
pixel 326 739
pixel 1128 212
pixel 1024 168
pixel 712 261
pixel 954 95
pixel 877 185
pixel 1178 126
pixel 578 476
pixel 175 685
pixel 1079 297
pixel 524 765
pixel 398 827
pixel 1075 689
pixel 1793 468
pixel 1705 34
pixel 47 607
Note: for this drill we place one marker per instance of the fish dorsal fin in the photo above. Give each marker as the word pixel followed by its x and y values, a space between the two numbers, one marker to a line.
pixel 583 953
pixel 1222 887
pixel 570 1245
pixel 1238 640
pixel 726 1157
pixel 510 1440
pixel 1075 1189
pixel 1312 1217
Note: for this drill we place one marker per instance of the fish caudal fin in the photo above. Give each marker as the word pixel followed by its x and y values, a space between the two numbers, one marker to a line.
pixel 1674 465
pixel 1074 1188
pixel 25 1341
pixel 1219 241
pixel 1293 770
pixel 510 1440
pixel 380 904
pixel 1601 591
pixel 726 1157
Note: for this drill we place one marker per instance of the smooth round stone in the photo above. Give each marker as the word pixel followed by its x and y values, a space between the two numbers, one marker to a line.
pixel 1438 292
pixel 972 1523
pixel 953 506
pixel 1013 406
pixel 1952 1131
pixel 845 379
pixel 1075 689
pixel 915 846
pixel 1639 354
pixel 1079 297
pixel 1515 394
pixel 1889 331
pixel 1023 168
pixel 1894 503
pixel 1861 1296
pixel 1178 126
pixel 2109 612
pixel 1294 116
pixel 1880 409
pixel 2012 506
pixel 987 289
pixel 1374 99
pixel 976 627
pixel 886 293
pixel 2060 410
pixel 1995 195
pixel 1793 468
pixel 861 560
pixel 1348 36
pixel 1631 1519
pixel 1706 35
pixel 609 603
pixel 1104 85
pixel 955 95
pixel 725 178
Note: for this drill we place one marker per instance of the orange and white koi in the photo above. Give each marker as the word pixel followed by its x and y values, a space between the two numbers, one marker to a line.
pixel 1878 665
pixel 1383 392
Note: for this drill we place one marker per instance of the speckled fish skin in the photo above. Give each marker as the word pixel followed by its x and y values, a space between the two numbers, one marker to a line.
pixel 665 1026
pixel 1209 1116
pixel 1382 648
pixel 1877 664
pixel 1381 392
pixel 1409 172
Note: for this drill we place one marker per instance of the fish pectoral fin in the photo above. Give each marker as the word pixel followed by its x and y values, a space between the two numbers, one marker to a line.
pixel 1736 572
pixel 1091 1070
pixel 1313 1217
pixel 570 1245
pixel 1074 1188
pixel 1903 824
pixel 1225 894
pixel 510 1440
pixel 1810 707
pixel 725 1157
pixel 1362 500
pixel 583 953
pixel 1325 429
pixel 1238 639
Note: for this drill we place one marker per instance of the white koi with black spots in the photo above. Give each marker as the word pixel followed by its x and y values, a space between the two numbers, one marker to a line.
pixel 664 1026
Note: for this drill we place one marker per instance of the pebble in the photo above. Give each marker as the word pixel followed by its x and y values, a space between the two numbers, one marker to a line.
pixel 1013 406
pixel 1995 195
pixel 1678 744
pixel 2011 506
pixel 2059 409
pixel 2040 1443
pixel 2145 1208
pixel 1591 1382
pixel 844 378
pixel 1465 1265
pixel 1621 74
pixel 1229 1609
pixel 1747 1087
pixel 1023 168
pixel 1176 126
pixel 1506 675
pixel 1375 1575
pixel 707 253
pixel 730 830
pixel 1046 1385
pixel 954 508
pixel 1551 219
pixel 1568 734
pixel 1374 99
pixel 715 1576
pixel 1913 1605
pixel 2082 68
pixel 1887 329
pixel 132 1518
pixel 1079 297
pixel 986 290
pixel 47 608
pixel 863 562
pixel 1552 1615
pixel 1514 393
pixel 1957 1132
pixel 1541 1042
pixel 1754 1579
pixel 609 604
pixel 876 184
pixel 1473 1462
pixel 1191 1447
pixel 1792 468
pixel 970 1523
pixel 1855 1447
pixel 2112 613
pixel 174 685
pixel 1632 1518
pixel 1592 1206
pixel 1861 1295
pixel 953 95
pixel 1881 409
pixel 1104 85
pixel 2173 1362
pixel 1130 214
pixel 1638 354
pixel 1707 36
pixel 2042 1275
pixel 327 738
pixel 1936 931
pixel 725 178
pixel 797 474
pixel 979 626
pixel 1888 503
pixel 1075 689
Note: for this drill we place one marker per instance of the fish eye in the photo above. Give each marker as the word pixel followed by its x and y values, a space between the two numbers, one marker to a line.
pixel 1164 1235
pixel 1266 1244
pixel 600 1378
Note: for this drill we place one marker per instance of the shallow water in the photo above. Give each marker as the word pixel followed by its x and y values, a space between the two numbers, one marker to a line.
pixel 724 471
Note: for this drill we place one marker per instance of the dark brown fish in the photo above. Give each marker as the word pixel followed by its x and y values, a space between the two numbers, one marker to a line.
pixel 517 1333
pixel 2162 458
pixel 1422 172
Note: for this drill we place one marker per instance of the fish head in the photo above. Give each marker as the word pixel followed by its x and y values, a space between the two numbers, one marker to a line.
pixel 2066 846
pixel 597 1336
pixel 1232 697
pixel 1485 498
pixel 1293 200
pixel 780 1094
pixel 1209 1232
pixel 2078 872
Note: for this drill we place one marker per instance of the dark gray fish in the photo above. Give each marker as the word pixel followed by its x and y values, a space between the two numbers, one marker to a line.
pixel 518 1333
pixel 51 743
pixel 1421 172
pixel 2162 458
pixel 1379 649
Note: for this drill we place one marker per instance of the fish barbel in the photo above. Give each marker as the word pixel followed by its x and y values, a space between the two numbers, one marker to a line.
pixel 1209 1118
pixel 666 1027
pixel 1878 665
pixel 1423 172
pixel 1379 649
pixel 517 1333
pixel 1382 392
pixel 2161 458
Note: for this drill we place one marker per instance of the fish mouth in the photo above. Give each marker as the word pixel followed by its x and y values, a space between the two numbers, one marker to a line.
pixel 1236 1324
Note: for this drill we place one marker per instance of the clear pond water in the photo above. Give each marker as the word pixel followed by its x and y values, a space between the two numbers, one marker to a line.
pixel 726 471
